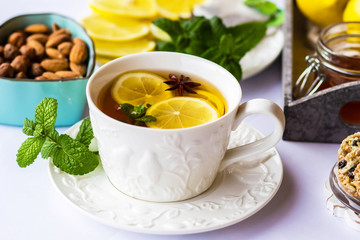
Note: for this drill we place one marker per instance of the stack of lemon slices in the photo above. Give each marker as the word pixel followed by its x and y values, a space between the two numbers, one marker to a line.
pixel 122 27
pixel 171 111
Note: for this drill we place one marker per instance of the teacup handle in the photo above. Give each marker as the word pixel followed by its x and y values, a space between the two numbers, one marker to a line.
pixel 255 106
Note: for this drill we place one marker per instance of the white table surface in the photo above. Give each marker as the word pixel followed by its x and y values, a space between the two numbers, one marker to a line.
pixel 31 208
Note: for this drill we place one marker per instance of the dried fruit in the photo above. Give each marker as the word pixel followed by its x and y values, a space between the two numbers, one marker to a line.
pixel 65 48
pixel 37 53
pixel 79 52
pixel 37 28
pixel 28 51
pixel 39 48
pixel 21 75
pixel 20 63
pixel 78 68
pixel 40 37
pixel 54 65
pixel 54 53
pixel 67 74
pixel 6 70
pixel 342 164
pixel 17 39
pixel 50 75
pixel 54 41
pixel 10 51
pixel 36 69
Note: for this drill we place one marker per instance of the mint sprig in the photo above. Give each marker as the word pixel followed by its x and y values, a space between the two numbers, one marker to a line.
pixel 137 114
pixel 211 39
pixel 268 8
pixel 70 155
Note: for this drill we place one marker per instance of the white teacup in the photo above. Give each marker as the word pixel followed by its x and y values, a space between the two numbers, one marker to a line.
pixel 165 165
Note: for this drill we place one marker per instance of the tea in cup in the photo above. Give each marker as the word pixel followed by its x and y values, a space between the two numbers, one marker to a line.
pixel 165 162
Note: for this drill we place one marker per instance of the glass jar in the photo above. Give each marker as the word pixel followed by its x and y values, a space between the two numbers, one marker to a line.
pixel 336 61
pixel 343 196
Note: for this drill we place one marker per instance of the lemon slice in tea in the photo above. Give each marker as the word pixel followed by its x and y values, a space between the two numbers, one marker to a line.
pixel 140 88
pixel 181 112
pixel 214 100
pixel 121 30
pixel 119 8
pixel 119 49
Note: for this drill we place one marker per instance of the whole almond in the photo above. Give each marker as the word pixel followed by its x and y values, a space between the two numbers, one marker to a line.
pixel 21 75
pixel 78 68
pixel 54 53
pixel 55 27
pixel 50 75
pixel 39 48
pixel 1 50
pixel 10 51
pixel 56 40
pixel 1 60
pixel 65 48
pixel 28 51
pixel 6 70
pixel 40 37
pixel 54 65
pixel 20 63
pixel 37 28
pixel 40 78
pixel 17 39
pixel 67 74
pixel 60 31
pixel 79 52
pixel 36 70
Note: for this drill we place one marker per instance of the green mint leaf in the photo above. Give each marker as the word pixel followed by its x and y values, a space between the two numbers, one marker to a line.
pixel 277 19
pixel 139 111
pixel 29 127
pixel 85 134
pixel 233 66
pixel 181 43
pixel 263 6
pixel 45 113
pixel 226 43
pixel 74 157
pixel 246 37
pixel 51 145
pixel 127 110
pixel 218 27
pixel 147 118
pixel 29 150
pixel 39 129
pixel 165 46
pixel 173 28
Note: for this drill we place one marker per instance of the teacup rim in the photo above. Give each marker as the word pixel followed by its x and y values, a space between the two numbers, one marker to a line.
pixel 135 55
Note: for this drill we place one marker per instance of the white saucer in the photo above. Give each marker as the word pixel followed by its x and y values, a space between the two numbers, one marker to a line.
pixel 237 193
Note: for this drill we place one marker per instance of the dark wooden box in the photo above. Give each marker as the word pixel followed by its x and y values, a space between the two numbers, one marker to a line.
pixel 312 118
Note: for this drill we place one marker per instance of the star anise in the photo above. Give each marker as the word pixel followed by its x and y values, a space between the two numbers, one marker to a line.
pixel 181 84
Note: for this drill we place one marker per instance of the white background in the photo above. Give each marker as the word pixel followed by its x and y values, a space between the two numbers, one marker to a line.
pixel 31 208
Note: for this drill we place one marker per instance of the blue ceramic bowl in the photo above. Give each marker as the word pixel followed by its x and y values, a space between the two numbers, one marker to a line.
pixel 19 97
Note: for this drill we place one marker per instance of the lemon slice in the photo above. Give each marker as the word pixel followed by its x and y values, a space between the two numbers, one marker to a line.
pixel 130 8
pixel 140 88
pixel 181 112
pixel 176 9
pixel 214 100
pixel 119 49
pixel 159 34
pixel 121 30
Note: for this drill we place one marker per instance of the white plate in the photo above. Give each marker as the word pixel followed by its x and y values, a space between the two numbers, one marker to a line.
pixel 234 12
pixel 237 193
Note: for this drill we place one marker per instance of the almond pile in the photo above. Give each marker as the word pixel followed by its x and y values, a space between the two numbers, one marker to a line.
pixel 40 52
